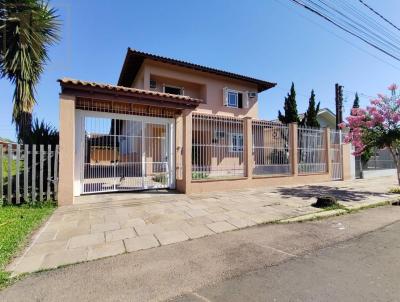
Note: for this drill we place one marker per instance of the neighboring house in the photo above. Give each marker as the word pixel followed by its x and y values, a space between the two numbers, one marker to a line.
pixel 325 118
pixel 5 142
pixel 168 124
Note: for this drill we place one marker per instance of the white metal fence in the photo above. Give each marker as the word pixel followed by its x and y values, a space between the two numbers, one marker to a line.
pixel 122 153
pixel 336 154
pixel 29 173
pixel 270 148
pixel 380 160
pixel 311 151
pixel 217 146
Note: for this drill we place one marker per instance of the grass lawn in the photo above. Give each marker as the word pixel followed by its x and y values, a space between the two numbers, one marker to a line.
pixel 16 224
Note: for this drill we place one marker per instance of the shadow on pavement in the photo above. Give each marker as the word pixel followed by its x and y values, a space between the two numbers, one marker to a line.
pixel 342 194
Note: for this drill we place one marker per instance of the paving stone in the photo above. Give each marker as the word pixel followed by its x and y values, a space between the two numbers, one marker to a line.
pixel 171 237
pixel 240 222
pixel 140 243
pixel 197 231
pixel 116 218
pixel 196 212
pixel 213 210
pixel 201 220
pixel 217 217
pixel 65 234
pixel 27 264
pixel 64 257
pixel 46 236
pixel 120 234
pixel 221 226
pixel 133 222
pixel 86 240
pixel 106 250
pixel 43 248
pixel 174 225
pixel 148 229
pixel 98 228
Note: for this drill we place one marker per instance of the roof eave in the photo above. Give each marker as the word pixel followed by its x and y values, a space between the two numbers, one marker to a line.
pixel 126 81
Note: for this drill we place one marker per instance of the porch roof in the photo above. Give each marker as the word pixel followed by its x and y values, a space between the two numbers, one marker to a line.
pixel 81 88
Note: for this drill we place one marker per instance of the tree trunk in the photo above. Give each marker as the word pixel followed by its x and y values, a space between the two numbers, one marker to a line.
pixel 398 173
pixel 396 159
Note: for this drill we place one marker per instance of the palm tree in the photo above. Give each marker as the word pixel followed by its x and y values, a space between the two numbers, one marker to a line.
pixel 27 29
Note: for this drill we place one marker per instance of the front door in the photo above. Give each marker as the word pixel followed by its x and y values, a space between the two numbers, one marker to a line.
pixel 125 153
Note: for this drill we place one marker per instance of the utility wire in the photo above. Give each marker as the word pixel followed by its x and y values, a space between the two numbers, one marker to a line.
pixel 378 14
pixel 349 31
pixel 375 34
pixel 340 37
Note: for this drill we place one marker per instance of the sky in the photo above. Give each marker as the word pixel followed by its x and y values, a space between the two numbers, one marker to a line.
pixel 272 40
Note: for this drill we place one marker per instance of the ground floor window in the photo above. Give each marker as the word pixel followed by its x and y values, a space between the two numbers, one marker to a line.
pixel 236 142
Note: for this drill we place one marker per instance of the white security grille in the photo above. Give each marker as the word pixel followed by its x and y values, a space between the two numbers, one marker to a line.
pixel 311 151
pixel 270 148
pixel 336 154
pixel 123 154
pixel 217 147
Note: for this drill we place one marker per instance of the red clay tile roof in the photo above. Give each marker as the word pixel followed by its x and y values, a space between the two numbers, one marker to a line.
pixel 67 82
pixel 134 59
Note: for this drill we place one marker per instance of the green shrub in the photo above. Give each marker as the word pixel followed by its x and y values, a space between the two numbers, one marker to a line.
pixel 199 175
pixel 326 201
pixel 161 178
pixel 395 190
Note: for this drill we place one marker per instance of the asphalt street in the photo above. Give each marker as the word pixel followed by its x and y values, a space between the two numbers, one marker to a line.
pixel 362 269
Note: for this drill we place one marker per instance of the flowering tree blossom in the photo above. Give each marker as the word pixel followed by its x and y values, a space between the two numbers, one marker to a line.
pixel 376 126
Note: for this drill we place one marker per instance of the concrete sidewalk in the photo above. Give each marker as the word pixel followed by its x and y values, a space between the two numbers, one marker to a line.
pixel 131 222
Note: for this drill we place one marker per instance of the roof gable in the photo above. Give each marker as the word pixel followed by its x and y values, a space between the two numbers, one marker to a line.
pixel 134 59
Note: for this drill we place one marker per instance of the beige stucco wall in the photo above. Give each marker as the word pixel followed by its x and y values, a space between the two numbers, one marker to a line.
pixel 200 84
pixel 67 150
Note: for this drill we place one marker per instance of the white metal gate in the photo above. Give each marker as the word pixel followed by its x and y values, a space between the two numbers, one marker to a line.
pixel 125 153
pixel 336 155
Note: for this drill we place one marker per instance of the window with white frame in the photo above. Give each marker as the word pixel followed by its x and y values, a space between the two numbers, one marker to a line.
pixel 173 89
pixel 236 142
pixel 235 99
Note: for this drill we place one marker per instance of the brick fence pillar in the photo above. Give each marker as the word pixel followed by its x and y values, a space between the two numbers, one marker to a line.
pixel 67 150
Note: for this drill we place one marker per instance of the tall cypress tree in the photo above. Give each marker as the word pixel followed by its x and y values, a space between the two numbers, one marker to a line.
pixel 310 117
pixel 356 103
pixel 290 108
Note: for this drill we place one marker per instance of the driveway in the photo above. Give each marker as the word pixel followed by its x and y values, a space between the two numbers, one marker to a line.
pixel 108 225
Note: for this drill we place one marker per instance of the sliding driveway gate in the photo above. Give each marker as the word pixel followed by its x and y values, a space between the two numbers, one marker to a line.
pixel 124 153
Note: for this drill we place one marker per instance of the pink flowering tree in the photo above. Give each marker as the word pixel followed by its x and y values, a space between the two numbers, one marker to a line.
pixel 377 126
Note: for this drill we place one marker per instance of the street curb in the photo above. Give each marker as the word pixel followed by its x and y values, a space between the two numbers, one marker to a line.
pixel 313 216
pixel 369 205
pixel 345 210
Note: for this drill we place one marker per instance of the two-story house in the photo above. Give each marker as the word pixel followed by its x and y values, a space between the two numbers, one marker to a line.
pixel 166 124
pixel 130 136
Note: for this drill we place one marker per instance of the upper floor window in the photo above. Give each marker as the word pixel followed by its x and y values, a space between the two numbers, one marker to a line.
pixel 173 90
pixel 235 99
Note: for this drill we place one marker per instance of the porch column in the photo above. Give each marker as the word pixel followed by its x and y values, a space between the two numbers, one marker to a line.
pixel 327 134
pixel 293 148
pixel 187 150
pixel 67 150
pixel 248 147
